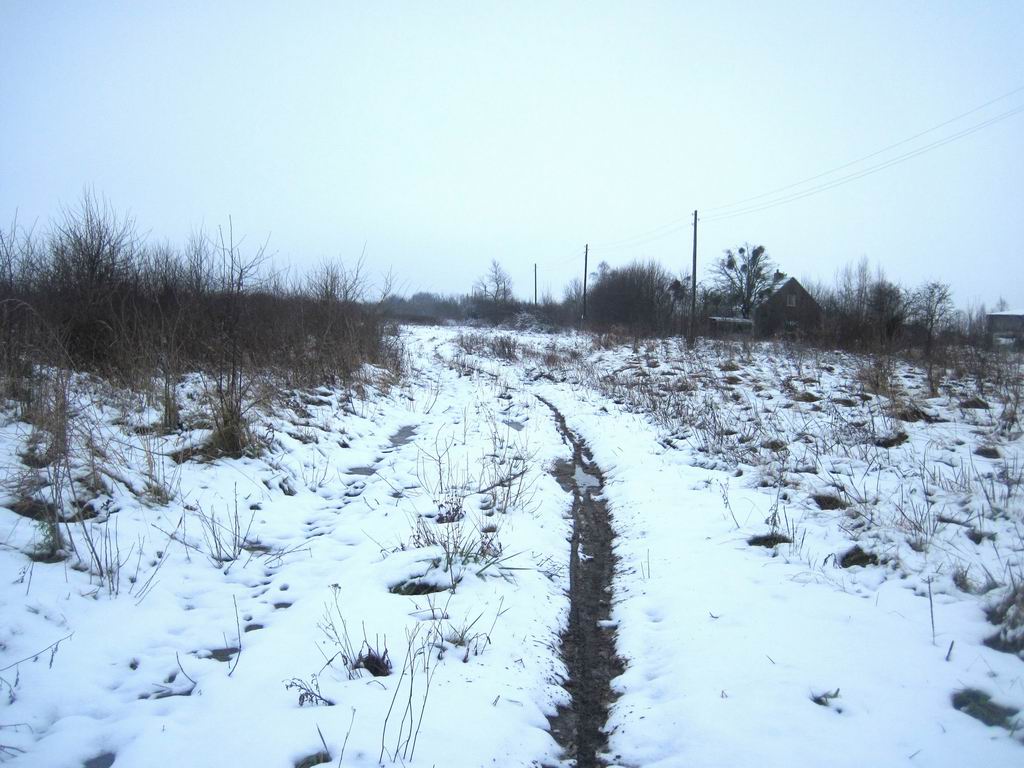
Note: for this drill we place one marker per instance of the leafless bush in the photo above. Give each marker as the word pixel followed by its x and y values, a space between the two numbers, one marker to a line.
pixel 641 297
pixel 462 546
pixel 504 347
pixel 90 295
pixel 371 657
pixel 226 537
pixel 472 343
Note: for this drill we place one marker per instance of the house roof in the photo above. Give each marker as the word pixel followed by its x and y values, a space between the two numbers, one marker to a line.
pixel 785 283
pixel 791 281
pixel 1008 313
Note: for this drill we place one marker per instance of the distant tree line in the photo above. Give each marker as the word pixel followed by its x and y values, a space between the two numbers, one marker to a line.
pixel 861 310
pixel 90 293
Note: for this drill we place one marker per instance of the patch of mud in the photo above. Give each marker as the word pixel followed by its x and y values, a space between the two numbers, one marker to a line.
pixel 769 540
pixel 980 706
pixel 1008 615
pixel 806 397
pixel 588 644
pixel 417 587
pixel 978 537
pixel 104 760
pixel 403 436
pixel 34 509
pixel 911 413
pixel 828 502
pixel 974 403
pixel 169 690
pixel 317 758
pixel 220 654
pixel 857 556
pixel 891 441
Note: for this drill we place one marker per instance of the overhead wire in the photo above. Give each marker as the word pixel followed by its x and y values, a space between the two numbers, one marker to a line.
pixel 572 258
pixel 881 151
pixel 867 171
pixel 649 234
pixel 675 225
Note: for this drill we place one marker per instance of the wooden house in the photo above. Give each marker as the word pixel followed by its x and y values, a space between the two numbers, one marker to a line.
pixel 1006 326
pixel 790 309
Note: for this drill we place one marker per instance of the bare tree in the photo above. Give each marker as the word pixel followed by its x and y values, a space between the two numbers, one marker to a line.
pixel 887 310
pixel 496 285
pixel 931 306
pixel 93 256
pixel 572 298
pixel 679 290
pixel 746 277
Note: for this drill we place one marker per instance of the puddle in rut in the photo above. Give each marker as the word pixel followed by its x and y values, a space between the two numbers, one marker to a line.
pixel 403 436
pixel 588 645
pixel 220 654
pixel 584 480
pixel 104 760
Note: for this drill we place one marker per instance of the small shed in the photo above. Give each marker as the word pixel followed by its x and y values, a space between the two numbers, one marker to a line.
pixel 790 309
pixel 1008 326
pixel 731 326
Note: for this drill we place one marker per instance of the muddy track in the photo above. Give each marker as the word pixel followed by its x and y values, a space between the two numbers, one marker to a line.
pixel 588 645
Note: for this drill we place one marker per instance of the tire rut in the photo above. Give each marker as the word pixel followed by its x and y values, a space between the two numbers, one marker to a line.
pixel 588 644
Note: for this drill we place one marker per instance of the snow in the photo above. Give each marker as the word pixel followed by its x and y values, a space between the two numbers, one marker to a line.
pixel 726 645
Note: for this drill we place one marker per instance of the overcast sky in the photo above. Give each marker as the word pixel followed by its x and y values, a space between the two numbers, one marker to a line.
pixel 443 135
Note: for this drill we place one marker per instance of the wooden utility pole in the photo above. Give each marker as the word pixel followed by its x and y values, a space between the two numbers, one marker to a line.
pixel 586 256
pixel 690 333
pixel 535 284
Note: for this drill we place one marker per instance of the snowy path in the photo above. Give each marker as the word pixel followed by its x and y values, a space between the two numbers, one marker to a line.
pixel 435 522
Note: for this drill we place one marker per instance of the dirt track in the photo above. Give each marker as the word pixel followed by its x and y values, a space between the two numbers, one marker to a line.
pixel 588 645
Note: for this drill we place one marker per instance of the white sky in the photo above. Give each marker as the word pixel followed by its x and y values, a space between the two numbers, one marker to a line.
pixel 446 134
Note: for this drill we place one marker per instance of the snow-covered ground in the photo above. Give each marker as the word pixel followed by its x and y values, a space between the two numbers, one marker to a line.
pixel 233 611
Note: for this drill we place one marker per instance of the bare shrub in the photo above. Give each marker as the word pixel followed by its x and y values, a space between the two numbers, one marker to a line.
pixel 372 657
pixel 504 347
pixel 91 295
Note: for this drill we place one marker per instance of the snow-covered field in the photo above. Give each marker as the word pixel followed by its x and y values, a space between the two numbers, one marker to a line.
pixel 235 612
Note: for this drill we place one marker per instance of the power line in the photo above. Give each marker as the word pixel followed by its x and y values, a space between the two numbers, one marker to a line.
pixel 675 225
pixel 867 171
pixel 651 234
pixel 569 260
pixel 639 240
pixel 881 151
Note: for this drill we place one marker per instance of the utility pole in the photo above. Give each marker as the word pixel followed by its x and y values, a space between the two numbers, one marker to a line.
pixel 586 256
pixel 535 283
pixel 690 337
